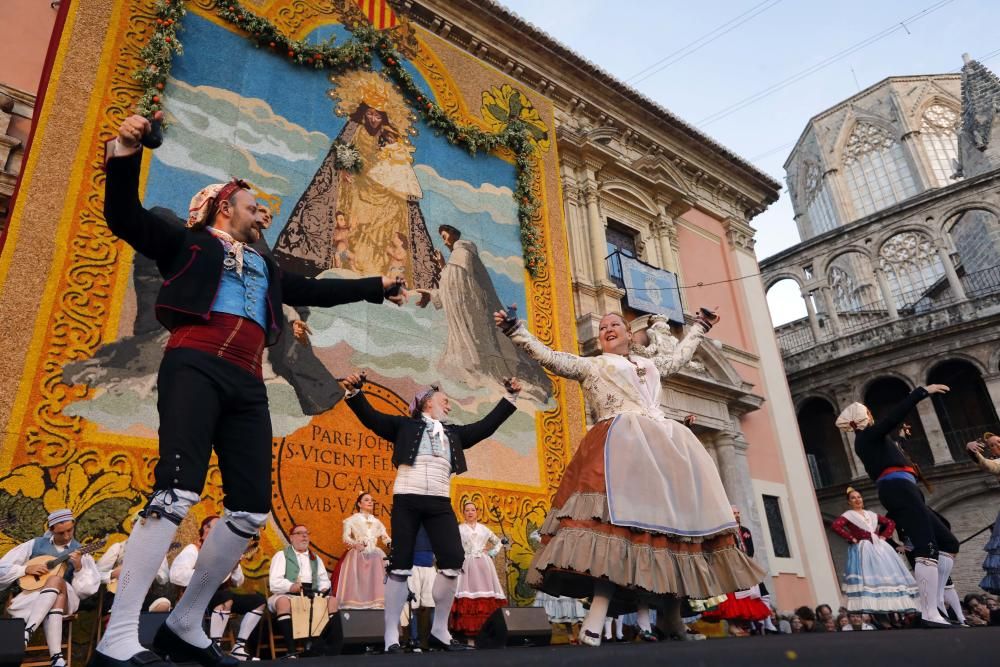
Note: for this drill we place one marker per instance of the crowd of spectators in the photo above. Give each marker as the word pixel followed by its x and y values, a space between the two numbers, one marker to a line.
pixel 979 609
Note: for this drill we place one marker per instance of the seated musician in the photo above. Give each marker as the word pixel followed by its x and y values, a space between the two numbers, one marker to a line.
pixel 61 593
pixel 109 565
pixel 294 570
pixel 224 602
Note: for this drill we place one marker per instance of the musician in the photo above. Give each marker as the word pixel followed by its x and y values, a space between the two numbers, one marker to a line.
pixel 60 594
pixel 109 565
pixel 297 570
pixel 224 602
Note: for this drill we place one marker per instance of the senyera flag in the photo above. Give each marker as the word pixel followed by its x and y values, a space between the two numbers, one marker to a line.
pixel 379 13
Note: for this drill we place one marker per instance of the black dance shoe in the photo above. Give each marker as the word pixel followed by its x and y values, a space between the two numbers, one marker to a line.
pixel 393 649
pixel 168 644
pixel 436 644
pixel 140 659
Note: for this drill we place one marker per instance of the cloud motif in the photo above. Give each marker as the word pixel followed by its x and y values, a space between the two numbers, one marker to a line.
pixel 219 133
pixel 512 266
pixel 495 201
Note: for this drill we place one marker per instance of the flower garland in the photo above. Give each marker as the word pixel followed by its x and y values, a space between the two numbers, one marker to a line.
pixel 365 44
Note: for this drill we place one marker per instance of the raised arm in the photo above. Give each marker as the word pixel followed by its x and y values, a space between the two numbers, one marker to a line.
pixel 562 364
pixel 150 235
pixel 383 425
pixel 892 420
pixel 476 432
pixel 683 352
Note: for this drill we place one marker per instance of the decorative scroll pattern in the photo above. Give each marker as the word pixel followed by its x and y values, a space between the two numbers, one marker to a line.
pixel 57 461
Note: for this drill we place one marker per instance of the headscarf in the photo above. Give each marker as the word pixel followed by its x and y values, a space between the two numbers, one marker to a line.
pixel 854 418
pixel 60 516
pixel 205 204
pixel 419 397
pixel 202 210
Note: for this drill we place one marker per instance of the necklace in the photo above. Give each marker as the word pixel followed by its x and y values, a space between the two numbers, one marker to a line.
pixel 639 370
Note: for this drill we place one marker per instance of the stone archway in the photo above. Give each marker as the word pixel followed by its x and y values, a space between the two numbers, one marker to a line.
pixel 824 447
pixel 967 410
pixel 882 395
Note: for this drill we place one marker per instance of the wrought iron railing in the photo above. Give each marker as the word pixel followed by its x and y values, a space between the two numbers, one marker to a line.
pixel 981 283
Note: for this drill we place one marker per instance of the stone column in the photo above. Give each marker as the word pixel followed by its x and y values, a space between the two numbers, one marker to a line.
pixel 734 469
pixel 935 434
pixel 831 310
pixel 596 230
pixel 813 320
pixel 883 286
pixel 993 387
pixel 949 270
pixel 579 239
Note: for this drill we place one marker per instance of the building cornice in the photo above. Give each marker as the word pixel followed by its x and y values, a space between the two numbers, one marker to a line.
pixel 581 88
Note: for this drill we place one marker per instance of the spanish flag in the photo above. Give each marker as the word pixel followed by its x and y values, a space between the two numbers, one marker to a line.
pixel 379 13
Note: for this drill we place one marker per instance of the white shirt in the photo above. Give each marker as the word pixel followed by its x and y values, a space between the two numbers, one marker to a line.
pixel 112 558
pixel 277 583
pixel 86 580
pixel 182 568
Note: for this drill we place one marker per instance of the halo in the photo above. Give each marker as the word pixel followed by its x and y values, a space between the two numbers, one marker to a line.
pixel 353 88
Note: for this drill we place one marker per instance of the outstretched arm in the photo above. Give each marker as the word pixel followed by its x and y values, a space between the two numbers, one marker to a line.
pixel 297 290
pixel 562 364
pixel 149 234
pixel 383 425
pixel 891 420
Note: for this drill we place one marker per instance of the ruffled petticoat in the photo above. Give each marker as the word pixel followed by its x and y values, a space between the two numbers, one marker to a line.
pixel 579 544
pixel 479 594
pixel 741 606
pixel 876 580
pixel 991 582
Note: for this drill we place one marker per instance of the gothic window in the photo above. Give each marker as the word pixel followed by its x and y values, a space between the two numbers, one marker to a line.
pixel 875 169
pixel 912 267
pixel 939 136
pixel 819 206
pixel 845 293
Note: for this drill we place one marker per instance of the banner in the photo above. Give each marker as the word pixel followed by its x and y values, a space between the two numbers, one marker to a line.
pixel 651 290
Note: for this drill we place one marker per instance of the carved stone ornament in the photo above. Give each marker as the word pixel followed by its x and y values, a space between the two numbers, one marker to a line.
pixel 662 343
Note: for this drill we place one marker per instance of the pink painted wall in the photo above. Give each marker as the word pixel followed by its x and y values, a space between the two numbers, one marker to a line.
pixel 704 260
pixel 24 41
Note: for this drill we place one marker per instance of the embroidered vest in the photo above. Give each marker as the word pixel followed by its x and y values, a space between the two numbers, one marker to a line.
pixel 292 566
pixel 43 546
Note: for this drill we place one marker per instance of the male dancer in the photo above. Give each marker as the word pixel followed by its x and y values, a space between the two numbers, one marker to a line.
pixel 896 479
pixel 221 301
pixel 426 453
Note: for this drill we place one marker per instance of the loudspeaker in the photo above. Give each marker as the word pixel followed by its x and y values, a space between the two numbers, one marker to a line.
pixel 515 626
pixel 364 630
pixel 149 623
pixel 11 642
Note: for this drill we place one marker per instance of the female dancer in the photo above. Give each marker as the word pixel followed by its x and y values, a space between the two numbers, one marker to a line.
pixel 362 576
pixel 875 580
pixel 479 592
pixel 641 515
pixel 990 444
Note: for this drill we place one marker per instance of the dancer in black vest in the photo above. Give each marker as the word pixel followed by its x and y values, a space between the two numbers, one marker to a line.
pixel 896 479
pixel 222 302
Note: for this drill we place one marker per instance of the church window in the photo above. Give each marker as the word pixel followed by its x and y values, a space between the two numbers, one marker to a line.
pixel 939 136
pixel 875 169
pixel 819 205
pixel 621 241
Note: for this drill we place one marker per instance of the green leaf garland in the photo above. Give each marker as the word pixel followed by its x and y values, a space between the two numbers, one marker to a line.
pixel 358 53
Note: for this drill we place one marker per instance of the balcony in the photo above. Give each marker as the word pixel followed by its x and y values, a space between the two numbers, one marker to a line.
pixel 919 313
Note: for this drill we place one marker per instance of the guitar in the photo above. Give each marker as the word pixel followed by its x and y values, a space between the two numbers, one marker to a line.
pixel 56 566
pixel 112 586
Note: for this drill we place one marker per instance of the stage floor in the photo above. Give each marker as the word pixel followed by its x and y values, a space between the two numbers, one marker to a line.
pixel 964 647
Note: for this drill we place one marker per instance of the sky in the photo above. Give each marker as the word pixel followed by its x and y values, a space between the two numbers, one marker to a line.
pixel 756 45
